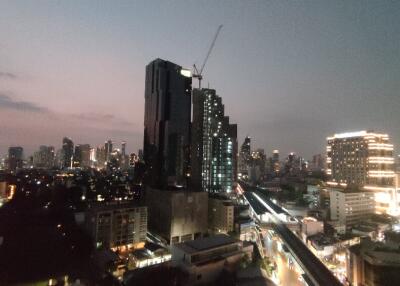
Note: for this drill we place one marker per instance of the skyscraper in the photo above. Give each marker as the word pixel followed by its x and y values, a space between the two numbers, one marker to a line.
pixel 108 146
pixel 82 155
pixel 275 164
pixel 167 123
pixel 244 157
pixel 68 152
pixel 15 156
pixel 365 160
pixel 214 144
pixel 123 148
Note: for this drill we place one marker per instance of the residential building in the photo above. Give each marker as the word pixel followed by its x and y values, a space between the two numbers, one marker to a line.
pixel 244 158
pixel 117 225
pixel 220 215
pixel 214 144
pixel 349 207
pixel 365 160
pixel 177 214
pixel 167 116
pixel 204 259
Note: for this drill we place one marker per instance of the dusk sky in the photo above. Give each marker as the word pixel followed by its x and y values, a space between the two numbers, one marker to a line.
pixel 290 72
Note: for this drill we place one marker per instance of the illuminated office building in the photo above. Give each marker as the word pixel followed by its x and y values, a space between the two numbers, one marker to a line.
pixel 214 144
pixel 364 160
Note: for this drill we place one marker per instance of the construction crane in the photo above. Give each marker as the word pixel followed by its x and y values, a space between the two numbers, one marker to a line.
pixel 199 73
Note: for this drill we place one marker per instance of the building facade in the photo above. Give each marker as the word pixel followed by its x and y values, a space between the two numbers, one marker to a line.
pixel 365 160
pixel 67 152
pixel 373 264
pixel 350 207
pixel 167 123
pixel 221 218
pixel 45 157
pixel 204 259
pixel 15 158
pixel 244 158
pixel 214 144
pixel 114 225
pixel 177 215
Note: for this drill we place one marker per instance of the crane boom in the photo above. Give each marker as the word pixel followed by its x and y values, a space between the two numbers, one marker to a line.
pixel 199 73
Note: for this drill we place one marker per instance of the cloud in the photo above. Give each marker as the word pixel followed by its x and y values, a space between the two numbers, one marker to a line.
pixel 6 102
pixel 7 75
pixel 102 117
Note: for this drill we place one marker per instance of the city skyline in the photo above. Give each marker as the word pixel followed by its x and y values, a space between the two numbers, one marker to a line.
pixel 311 69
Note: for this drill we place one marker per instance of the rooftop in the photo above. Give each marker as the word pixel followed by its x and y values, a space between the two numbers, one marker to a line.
pixel 207 243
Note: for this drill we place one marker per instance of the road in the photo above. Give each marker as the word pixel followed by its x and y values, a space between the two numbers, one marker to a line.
pixel 315 269
pixel 287 275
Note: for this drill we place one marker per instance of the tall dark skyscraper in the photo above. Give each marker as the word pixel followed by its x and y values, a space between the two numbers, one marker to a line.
pixel 214 144
pixel 167 123
pixel 244 156
pixel 68 152
pixel 123 148
pixel 15 156
pixel 108 146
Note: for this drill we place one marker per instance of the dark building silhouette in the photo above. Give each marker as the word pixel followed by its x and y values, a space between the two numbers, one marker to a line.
pixel 15 156
pixel 68 152
pixel 244 157
pixel 108 146
pixel 167 123
pixel 214 144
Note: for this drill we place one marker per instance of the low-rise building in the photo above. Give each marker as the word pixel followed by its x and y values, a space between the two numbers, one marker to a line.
pixel 116 224
pixel 311 226
pixel 349 207
pixel 373 263
pixel 177 215
pixel 322 245
pixel 204 259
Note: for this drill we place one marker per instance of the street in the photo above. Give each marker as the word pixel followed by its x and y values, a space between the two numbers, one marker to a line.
pixel 286 274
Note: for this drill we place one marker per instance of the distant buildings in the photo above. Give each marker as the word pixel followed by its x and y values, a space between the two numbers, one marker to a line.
pixel 167 123
pixel 318 162
pixel 116 225
pixel 15 158
pixel 244 158
pixel 177 215
pixel 274 163
pixel 365 160
pixel 108 148
pixel 82 156
pixel 44 158
pixel 67 152
pixel 214 144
